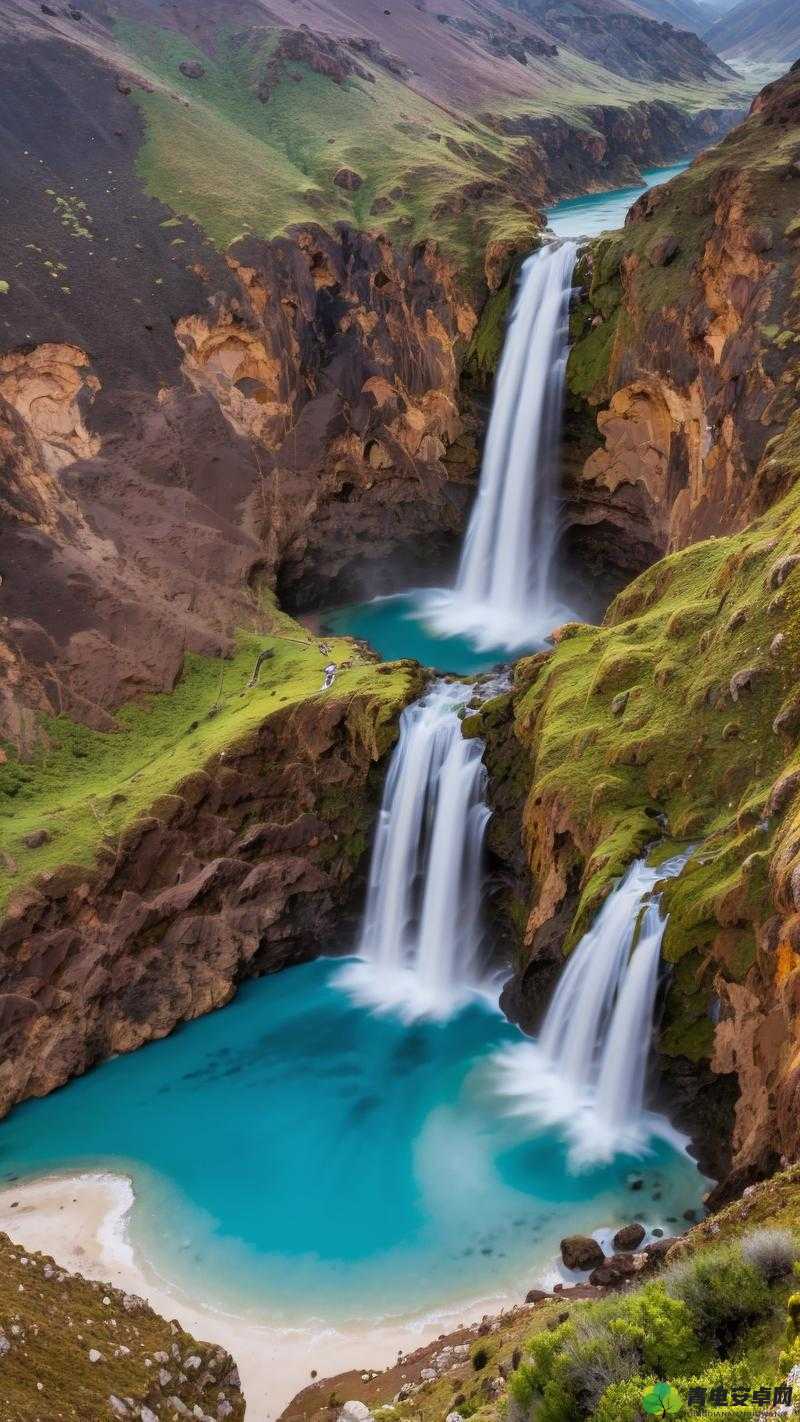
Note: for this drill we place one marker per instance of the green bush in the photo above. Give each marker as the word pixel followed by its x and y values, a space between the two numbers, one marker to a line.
pixel 722 1292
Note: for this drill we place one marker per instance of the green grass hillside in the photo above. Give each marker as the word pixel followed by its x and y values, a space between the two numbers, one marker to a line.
pixel 86 786
pixel 216 153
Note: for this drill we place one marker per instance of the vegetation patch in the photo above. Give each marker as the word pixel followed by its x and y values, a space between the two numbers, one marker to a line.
pixel 85 787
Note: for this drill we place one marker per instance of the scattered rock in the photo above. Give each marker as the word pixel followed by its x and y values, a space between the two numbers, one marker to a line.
pixel 658 1250
pixel 580 1251
pixel 777 644
pixel 635 1182
pixel 347 179
pixel 737 620
pixel 4 1344
pixel 192 68
pixel 356 1412
pixel 628 1237
pixel 782 792
pixel 123 86
pixel 781 570
pixel 95 1356
pixel 619 703
pixel 36 838
pixel 743 681
pixel 663 250
pixel 787 721
pixel 617 1269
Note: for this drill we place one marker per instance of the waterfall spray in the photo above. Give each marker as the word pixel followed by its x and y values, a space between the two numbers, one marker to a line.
pixel 588 1069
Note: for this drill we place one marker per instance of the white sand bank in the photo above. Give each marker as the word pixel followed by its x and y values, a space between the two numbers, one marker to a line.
pixel 81 1221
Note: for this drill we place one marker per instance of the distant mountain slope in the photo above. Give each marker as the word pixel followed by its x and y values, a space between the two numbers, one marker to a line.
pixel 683 14
pixel 630 38
pixel 769 29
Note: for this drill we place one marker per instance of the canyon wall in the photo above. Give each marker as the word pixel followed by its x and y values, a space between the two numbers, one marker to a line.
pixel 248 865
pixel 677 718
pixel 684 340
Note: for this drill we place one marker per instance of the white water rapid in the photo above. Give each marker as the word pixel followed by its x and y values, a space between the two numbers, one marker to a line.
pixel 589 1066
pixel 422 926
pixel 505 592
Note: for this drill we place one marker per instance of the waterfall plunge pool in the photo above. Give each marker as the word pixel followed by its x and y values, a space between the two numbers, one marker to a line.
pixel 297 1158
pixel 453 632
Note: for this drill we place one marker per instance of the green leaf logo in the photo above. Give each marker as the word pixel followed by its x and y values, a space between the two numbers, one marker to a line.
pixel 662 1400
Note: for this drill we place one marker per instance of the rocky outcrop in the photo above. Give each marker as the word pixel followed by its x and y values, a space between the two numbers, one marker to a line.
pixel 685 342
pixel 613 145
pixel 245 868
pixel 322 379
pixel 71 1347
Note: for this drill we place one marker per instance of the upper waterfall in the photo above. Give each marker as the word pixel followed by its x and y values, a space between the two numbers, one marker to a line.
pixel 422 925
pixel 588 1068
pixel 505 593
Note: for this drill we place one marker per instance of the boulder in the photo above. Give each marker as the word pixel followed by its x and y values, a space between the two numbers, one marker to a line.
pixel 355 1412
pixel 743 681
pixel 618 1269
pixel 192 68
pixel 782 793
pixel 662 250
pixel 629 1237
pixel 580 1251
pixel 347 179
pixel 659 1249
pixel 535 1296
pixel 36 838
pixel 781 570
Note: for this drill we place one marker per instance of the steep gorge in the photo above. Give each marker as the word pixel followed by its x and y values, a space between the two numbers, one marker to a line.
pixel 677 717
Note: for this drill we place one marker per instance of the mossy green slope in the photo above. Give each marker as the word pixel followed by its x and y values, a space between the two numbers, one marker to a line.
pixel 69 1346
pixel 676 717
pixel 86 786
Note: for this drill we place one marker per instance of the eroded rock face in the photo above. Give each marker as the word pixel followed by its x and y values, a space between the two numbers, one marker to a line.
pixel 308 434
pixel 244 870
pixel 685 347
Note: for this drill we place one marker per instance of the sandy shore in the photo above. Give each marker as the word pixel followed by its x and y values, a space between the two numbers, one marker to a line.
pixel 81 1221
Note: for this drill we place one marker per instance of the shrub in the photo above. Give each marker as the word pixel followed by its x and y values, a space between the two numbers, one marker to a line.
pixel 770 1251
pixel 598 1355
pixel 622 1402
pixel 669 1345
pixel 522 1393
pixel 722 1293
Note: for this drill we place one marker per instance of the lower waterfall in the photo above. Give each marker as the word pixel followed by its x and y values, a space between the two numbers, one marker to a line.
pixel 421 934
pixel 505 592
pixel 588 1068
